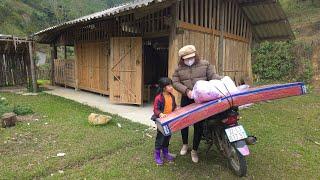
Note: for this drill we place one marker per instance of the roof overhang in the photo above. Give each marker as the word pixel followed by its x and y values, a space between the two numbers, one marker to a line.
pixel 108 13
pixel 268 19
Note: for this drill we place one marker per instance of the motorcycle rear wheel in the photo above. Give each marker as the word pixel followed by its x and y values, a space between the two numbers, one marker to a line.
pixel 237 162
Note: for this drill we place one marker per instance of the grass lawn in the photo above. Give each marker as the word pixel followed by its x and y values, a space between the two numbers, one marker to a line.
pixel 284 129
pixel 43 82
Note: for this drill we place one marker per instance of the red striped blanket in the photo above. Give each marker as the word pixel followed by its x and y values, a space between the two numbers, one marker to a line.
pixel 194 113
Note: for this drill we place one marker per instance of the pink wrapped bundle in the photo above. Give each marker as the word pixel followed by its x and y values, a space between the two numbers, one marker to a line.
pixel 204 91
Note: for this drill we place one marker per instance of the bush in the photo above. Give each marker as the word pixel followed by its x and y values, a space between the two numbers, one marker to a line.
pixel 4 108
pixel 22 110
pixel 282 61
pixel 273 61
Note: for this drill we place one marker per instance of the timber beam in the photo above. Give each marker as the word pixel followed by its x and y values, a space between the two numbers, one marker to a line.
pixel 270 22
pixel 275 38
pixel 247 3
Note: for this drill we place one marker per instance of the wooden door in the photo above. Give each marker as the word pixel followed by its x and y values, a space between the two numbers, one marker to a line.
pixel 83 65
pixel 126 70
pixel 92 64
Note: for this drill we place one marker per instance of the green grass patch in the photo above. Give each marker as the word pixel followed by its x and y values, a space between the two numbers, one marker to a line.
pixel 284 129
pixel 42 82
pixel 22 110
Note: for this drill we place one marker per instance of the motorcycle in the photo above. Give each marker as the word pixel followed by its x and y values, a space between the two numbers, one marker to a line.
pixel 231 139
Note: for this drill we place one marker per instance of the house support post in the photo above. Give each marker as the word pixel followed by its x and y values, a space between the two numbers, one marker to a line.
pixel 221 39
pixel 53 57
pixel 33 68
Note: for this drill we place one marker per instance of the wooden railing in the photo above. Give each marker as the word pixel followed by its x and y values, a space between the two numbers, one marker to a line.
pixel 64 72
pixel 43 74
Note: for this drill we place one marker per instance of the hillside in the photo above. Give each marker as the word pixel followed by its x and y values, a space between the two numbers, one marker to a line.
pixel 304 18
pixel 24 17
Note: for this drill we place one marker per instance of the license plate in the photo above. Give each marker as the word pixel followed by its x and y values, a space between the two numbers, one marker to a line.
pixel 236 133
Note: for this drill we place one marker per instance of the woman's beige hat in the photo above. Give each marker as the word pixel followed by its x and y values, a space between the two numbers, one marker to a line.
pixel 187 52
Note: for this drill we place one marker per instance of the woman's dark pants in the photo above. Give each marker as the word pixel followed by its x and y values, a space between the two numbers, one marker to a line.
pixel 197 127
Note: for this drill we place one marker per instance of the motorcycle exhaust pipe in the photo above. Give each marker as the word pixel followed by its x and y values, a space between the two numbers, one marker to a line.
pixel 251 140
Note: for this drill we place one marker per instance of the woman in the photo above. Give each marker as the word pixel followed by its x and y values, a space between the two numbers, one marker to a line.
pixel 190 70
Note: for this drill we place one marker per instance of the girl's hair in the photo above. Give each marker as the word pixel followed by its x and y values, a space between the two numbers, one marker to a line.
pixel 163 82
pixel 196 57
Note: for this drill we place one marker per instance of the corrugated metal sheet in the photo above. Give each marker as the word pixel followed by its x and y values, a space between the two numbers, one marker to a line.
pixel 108 12
pixel 268 20
pixel 266 16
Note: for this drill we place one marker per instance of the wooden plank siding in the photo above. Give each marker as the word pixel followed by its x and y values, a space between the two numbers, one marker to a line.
pixel 207 16
pixel 64 72
pixel 92 66
pixel 205 35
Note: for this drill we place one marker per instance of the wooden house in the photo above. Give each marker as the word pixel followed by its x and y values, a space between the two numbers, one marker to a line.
pixel 125 49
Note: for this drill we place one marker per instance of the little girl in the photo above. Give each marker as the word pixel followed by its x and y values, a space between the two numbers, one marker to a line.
pixel 164 104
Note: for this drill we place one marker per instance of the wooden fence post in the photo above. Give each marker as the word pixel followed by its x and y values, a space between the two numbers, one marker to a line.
pixel 53 57
pixel 32 67
pixel 65 52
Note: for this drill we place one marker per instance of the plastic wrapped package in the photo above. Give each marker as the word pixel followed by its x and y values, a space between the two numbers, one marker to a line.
pixel 204 91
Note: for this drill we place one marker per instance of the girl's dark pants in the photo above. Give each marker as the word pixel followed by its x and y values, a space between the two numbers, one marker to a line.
pixel 162 141
pixel 197 127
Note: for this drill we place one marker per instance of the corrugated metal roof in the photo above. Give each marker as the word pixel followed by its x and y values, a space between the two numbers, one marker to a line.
pixel 268 19
pixel 266 16
pixel 108 12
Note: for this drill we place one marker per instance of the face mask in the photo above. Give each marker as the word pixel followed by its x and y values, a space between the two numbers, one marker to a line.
pixel 189 62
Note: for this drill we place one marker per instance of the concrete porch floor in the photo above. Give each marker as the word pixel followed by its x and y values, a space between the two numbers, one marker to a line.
pixel 134 113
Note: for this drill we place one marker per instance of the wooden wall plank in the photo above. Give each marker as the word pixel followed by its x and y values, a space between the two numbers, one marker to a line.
pixel 229 16
pixel 233 17
pixel 201 11
pixel 192 21
pixel 236 24
pixel 210 16
pixel 217 14
pixel 197 12
pixel 241 26
pixel 186 10
pixel 181 11
pixel 245 28
pixel 206 19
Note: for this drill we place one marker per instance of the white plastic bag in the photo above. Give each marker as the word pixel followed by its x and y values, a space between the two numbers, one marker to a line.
pixel 203 91
pixel 229 85
pixel 243 88
pixel 209 90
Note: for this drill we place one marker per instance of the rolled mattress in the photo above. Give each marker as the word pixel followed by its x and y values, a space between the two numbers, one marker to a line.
pixel 194 113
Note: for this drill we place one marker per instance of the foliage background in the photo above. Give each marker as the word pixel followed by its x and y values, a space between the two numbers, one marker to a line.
pixel 291 60
pixel 24 17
